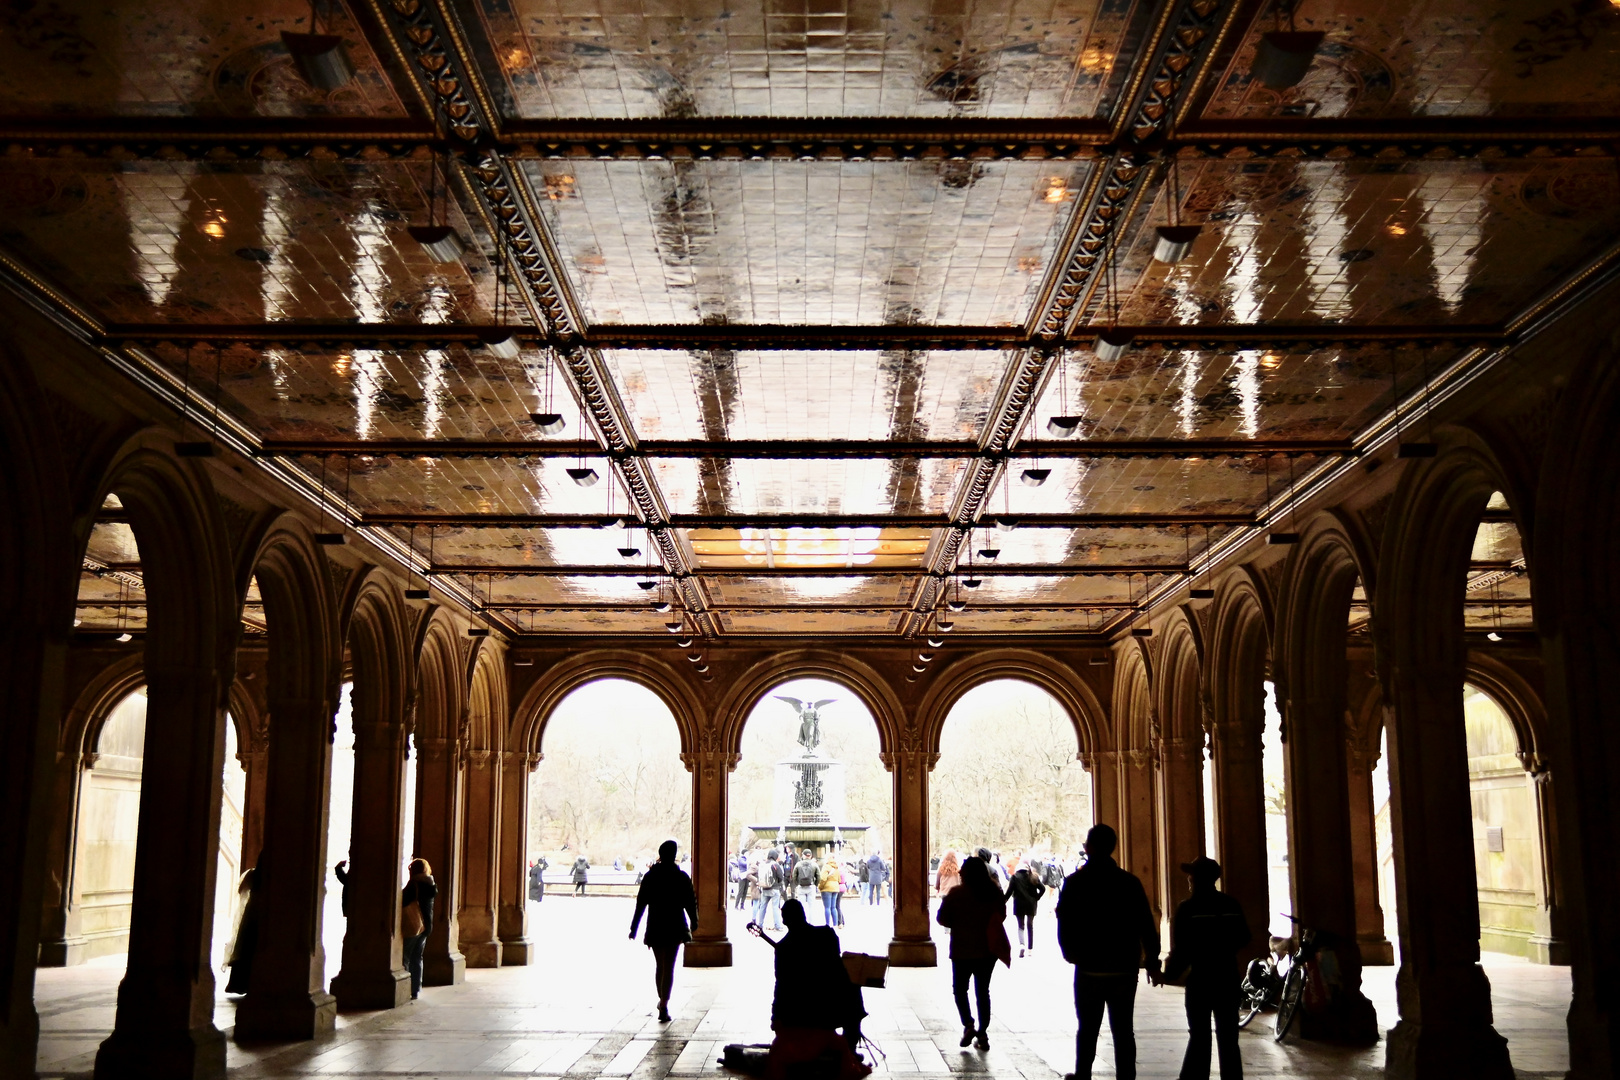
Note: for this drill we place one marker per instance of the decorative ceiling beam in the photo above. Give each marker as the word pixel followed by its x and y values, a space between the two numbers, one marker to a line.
pixel 805 449
pixel 798 521
pixel 785 139
pixel 474 570
pixel 337 336
pixel 426 35
pixel 806 608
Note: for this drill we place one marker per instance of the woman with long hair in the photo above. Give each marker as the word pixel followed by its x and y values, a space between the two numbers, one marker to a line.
pixel 975 912
pixel 950 874
pixel 416 917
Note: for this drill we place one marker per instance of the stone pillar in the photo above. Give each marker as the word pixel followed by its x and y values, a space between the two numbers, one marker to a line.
pixel 1319 858
pixel 256 764
pixel 913 944
pixel 1548 942
pixel 1103 765
pixel 439 804
pixel 1376 947
pixel 60 943
pixel 711 780
pixel 480 853
pixel 373 974
pixel 1138 846
pixel 1182 786
pixel 1239 789
pixel 165 1022
pixel 1445 999
pixel 512 869
pixel 287 997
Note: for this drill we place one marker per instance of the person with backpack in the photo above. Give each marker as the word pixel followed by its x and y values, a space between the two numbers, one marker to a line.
pixel 1107 931
pixel 806 877
pixel 416 917
pixel 1025 891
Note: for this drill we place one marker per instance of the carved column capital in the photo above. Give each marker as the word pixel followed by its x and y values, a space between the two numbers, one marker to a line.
pixel 480 759
pixel 435 750
pixel 1181 751
pixel 708 763
pixel 909 760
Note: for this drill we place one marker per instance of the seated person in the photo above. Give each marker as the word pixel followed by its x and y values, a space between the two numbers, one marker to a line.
pixel 814 999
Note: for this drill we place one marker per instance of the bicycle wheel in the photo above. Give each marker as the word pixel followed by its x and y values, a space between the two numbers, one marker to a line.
pixel 1251 999
pixel 1288 1001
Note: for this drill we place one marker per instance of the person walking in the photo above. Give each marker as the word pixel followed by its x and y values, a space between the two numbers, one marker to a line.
pixel 831 881
pixel 667 897
pixel 756 897
pixel 771 880
pixel 1025 891
pixel 1107 931
pixel 537 880
pixel 877 872
pixel 950 874
pixel 1205 935
pixel 739 868
pixel 416 917
pixel 975 913
pixel 581 874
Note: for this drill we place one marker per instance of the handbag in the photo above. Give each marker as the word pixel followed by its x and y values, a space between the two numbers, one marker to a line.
pixel 410 919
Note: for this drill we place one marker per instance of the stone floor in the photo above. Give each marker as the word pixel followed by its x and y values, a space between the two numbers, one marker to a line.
pixel 587 1010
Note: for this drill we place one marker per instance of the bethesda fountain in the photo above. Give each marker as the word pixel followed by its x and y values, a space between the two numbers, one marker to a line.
pixel 807 803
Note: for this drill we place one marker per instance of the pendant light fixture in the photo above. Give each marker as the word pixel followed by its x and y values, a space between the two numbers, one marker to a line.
pixel 1284 56
pixel 582 474
pixel 1112 343
pixel 330 539
pixel 422 592
pixel 549 422
pixel 1173 242
pixel 1063 426
pixel 440 242
pixel 1206 592
pixel 499 341
pixel 322 60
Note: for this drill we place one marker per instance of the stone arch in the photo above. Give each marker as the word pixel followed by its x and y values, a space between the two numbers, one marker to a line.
pixel 1319 577
pixel 300 605
pixel 81 725
pixel 487 708
pixel 1022 665
pixel 1133 717
pixel 1241 631
pixel 1178 697
pixel 863 680
pixel 540 701
pixel 377 628
pixel 442 685
pixel 1521 702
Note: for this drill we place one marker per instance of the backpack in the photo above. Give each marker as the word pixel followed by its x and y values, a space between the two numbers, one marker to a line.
pixel 772 878
pixel 865 874
pixel 804 873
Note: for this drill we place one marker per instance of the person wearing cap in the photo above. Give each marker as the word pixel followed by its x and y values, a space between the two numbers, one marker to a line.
pixel 1107 931
pixel 1208 929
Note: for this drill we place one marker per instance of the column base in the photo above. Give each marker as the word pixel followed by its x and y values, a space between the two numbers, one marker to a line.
pixel 481 954
pixel 1546 950
pixel 1417 1051
pixel 388 991
pixel 708 953
pixel 1349 1020
pixel 1376 951
pixel 913 954
pixel 444 970
pixel 67 952
pixel 198 1054
pixel 286 1019
pixel 516 952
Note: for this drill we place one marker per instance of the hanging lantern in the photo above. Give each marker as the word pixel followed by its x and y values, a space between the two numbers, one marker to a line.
pixel 501 344
pixel 549 423
pixel 1063 426
pixel 1284 57
pixel 1174 242
pixel 1111 345
pixel 1034 477
pixel 441 243
pixel 584 477
pixel 322 60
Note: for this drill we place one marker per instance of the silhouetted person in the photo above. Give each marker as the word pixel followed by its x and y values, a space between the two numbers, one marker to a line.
pixel 246 939
pixel 666 896
pixel 814 999
pixel 537 880
pixel 580 875
pixel 975 911
pixel 416 917
pixel 1106 930
pixel 1025 891
pixel 1205 935
pixel 342 872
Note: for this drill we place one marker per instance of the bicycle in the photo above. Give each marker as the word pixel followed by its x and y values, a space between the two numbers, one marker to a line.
pixel 1277 981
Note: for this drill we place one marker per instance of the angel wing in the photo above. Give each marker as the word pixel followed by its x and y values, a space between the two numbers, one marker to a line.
pixel 793 701
pixel 824 701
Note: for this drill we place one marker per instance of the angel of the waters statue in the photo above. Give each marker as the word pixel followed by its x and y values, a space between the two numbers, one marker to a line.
pixel 809 721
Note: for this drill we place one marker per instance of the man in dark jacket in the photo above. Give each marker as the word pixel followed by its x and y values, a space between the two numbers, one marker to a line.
pixel 1205 935
pixel 1025 891
pixel 1107 931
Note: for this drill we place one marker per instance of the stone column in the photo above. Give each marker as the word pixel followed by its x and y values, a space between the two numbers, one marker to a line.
pixel 913 944
pixel 1376 947
pixel 711 780
pixel 1182 784
pixel 1138 847
pixel 256 764
pixel 1445 999
pixel 1548 941
pixel 287 997
pixel 439 803
pixel 512 869
pixel 1103 765
pixel 373 974
pixel 480 853
pixel 1319 858
pixel 1240 827
pixel 165 1022
pixel 59 941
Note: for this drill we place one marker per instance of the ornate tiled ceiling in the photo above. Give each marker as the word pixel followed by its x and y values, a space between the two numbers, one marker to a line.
pixel 805 282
